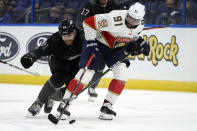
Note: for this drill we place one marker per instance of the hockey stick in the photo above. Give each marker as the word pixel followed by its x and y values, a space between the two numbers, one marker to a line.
pixel 89 85
pixel 32 73
pixel 54 119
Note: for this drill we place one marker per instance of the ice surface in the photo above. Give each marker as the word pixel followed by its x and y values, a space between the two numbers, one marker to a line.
pixel 137 110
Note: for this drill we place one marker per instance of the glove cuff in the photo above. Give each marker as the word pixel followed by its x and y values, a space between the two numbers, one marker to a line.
pixel 33 55
pixel 91 43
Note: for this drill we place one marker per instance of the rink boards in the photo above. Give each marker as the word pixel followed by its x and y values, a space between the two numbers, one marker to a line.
pixel 170 66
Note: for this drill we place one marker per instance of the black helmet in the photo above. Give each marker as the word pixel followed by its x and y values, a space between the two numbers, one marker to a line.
pixel 66 27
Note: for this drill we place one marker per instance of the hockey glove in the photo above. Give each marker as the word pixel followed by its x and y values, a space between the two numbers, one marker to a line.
pixel 145 49
pixel 133 48
pixel 27 60
pixel 91 44
pixel 137 47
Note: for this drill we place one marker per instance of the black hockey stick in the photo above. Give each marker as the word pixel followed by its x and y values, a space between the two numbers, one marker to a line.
pixel 54 119
pixel 92 83
pixel 105 72
pixel 32 73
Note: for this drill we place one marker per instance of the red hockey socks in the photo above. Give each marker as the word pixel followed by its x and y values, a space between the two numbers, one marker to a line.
pixel 71 87
pixel 114 90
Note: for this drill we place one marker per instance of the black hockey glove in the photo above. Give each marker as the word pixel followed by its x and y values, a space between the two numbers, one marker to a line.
pixel 91 44
pixel 27 60
pixel 137 47
pixel 145 49
pixel 133 48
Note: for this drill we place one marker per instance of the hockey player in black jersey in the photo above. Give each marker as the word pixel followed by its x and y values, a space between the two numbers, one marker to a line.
pixel 63 49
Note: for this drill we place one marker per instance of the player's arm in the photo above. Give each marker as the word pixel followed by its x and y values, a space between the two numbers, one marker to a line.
pixel 93 24
pixel 28 59
pixel 45 49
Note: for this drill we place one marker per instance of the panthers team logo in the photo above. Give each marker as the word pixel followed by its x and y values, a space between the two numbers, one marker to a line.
pixel 103 23
pixel 37 41
pixel 120 41
pixel 9 46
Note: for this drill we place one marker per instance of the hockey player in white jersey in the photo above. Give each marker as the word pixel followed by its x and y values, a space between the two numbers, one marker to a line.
pixel 109 36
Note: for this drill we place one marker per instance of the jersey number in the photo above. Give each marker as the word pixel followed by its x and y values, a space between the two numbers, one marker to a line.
pixel 85 11
pixel 118 20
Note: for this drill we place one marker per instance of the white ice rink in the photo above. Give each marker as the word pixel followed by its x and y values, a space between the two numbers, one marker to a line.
pixel 137 110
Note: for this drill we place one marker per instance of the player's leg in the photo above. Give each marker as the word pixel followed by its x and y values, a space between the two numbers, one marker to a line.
pixel 56 81
pixel 114 90
pixel 86 54
pixel 44 97
pixel 45 92
pixel 69 75
pixel 117 84
pixel 91 90
pixel 68 70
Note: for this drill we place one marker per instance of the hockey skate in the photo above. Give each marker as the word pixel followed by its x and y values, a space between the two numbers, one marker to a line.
pixel 35 108
pixel 107 112
pixel 48 106
pixel 92 94
pixel 60 109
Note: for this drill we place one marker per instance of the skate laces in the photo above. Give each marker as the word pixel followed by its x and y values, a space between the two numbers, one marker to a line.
pixel 108 105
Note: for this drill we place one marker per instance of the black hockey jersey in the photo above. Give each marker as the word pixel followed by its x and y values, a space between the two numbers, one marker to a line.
pixel 90 9
pixel 55 46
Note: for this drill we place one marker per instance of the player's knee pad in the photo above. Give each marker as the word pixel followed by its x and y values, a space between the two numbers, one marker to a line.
pixel 120 72
pixel 57 80
pixel 87 76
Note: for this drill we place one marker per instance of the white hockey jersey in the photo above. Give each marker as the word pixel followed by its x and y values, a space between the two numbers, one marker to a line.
pixel 110 29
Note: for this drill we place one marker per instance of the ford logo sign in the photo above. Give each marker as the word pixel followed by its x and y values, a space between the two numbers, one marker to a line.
pixel 9 46
pixel 37 41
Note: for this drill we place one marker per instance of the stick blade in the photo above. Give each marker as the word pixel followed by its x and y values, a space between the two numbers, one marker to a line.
pixel 53 119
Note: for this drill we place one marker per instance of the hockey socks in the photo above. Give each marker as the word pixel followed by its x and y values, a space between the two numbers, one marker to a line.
pixel 114 90
pixel 71 87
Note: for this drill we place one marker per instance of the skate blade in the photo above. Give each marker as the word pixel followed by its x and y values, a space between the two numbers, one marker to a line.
pixel 104 116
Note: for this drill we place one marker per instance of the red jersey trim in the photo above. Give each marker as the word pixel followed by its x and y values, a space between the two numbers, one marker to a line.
pixel 91 22
pixel 109 38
